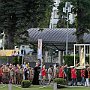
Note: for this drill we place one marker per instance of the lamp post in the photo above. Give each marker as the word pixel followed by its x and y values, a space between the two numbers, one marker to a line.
pixel 67 10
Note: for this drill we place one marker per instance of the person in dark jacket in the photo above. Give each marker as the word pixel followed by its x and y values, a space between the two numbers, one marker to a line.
pixel 36 75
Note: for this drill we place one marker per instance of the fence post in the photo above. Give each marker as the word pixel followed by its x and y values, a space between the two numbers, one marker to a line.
pixel 10 86
pixel 54 86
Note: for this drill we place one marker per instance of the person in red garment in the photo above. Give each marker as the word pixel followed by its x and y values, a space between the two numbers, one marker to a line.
pixel 73 76
pixel 61 72
pixel 43 74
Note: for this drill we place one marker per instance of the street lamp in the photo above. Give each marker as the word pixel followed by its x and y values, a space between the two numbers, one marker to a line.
pixel 67 10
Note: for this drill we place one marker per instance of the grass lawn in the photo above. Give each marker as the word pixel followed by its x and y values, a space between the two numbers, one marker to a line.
pixel 15 87
pixel 77 88
pixel 5 87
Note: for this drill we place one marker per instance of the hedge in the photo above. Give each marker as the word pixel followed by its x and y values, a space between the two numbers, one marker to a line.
pixel 69 59
pixel 26 83
pixel 60 81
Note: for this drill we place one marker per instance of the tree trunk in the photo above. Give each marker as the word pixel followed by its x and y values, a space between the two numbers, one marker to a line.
pixel 11 31
pixel 10 41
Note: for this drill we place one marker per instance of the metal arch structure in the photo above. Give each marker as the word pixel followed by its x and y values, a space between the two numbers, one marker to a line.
pixel 55 37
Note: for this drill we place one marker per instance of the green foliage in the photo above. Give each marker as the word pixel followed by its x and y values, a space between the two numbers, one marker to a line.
pixel 69 60
pixel 62 23
pixel 44 23
pixel 26 83
pixel 16 16
pixel 17 60
pixel 3 60
pixel 81 8
pixel 60 81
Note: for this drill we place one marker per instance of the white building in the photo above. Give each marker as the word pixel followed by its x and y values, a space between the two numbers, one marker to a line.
pixel 54 15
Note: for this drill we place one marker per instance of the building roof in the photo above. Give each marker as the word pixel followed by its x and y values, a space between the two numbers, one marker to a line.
pixel 55 37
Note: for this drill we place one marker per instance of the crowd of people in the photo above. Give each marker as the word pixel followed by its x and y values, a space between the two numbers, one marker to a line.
pixel 16 73
pixel 84 75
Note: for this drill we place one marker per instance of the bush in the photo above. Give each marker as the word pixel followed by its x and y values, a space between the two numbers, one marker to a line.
pixel 26 83
pixel 17 60
pixel 60 81
pixel 69 60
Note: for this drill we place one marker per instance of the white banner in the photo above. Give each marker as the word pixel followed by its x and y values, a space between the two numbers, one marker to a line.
pixel 40 49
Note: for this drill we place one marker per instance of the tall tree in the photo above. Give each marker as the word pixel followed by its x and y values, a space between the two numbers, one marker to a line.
pixel 81 8
pixel 16 16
